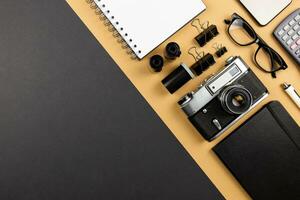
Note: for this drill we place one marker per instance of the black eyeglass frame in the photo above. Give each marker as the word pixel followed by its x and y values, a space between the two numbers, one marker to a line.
pixel 274 56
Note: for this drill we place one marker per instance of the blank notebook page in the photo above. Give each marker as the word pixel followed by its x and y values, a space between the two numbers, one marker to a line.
pixel 146 24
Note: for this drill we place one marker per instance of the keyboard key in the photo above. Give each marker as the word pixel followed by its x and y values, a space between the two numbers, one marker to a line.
pixel 292 22
pixel 289 42
pixel 294 46
pixel 286 27
pixel 285 37
pixel 295 37
pixel 291 32
pixel 281 32
pixel 288 34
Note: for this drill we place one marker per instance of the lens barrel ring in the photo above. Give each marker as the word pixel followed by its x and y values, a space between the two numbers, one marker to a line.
pixel 227 96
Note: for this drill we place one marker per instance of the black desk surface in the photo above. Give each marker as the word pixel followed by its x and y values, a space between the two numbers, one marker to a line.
pixel 71 125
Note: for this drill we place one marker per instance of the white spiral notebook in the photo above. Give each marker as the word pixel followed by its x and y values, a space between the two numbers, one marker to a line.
pixel 145 24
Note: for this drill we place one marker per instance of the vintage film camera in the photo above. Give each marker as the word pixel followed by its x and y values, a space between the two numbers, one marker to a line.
pixel 223 99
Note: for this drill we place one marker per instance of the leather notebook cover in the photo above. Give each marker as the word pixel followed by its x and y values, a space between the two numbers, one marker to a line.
pixel 264 154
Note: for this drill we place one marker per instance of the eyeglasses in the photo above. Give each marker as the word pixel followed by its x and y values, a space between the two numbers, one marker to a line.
pixel 266 58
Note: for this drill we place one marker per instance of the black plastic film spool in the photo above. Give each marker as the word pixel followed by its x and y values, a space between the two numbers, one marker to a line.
pixel 156 63
pixel 172 51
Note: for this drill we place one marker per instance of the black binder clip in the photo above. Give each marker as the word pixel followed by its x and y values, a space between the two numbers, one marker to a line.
pixel 206 32
pixel 203 61
pixel 220 50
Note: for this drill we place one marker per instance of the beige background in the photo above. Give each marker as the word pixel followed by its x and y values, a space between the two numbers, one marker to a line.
pixel 148 83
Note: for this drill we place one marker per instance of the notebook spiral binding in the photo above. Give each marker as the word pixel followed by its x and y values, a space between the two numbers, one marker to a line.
pixel 112 29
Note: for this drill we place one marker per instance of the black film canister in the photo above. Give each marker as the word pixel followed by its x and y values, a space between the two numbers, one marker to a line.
pixel 176 79
pixel 156 63
pixel 172 51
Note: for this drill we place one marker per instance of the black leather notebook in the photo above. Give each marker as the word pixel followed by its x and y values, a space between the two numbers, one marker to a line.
pixel 72 126
pixel 264 154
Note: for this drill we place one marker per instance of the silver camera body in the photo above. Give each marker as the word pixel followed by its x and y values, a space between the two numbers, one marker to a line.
pixel 223 99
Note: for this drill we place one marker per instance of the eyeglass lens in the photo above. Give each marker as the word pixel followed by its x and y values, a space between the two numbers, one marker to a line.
pixel 264 58
pixel 241 32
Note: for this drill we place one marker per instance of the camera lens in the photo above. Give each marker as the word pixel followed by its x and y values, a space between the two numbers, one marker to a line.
pixel 236 99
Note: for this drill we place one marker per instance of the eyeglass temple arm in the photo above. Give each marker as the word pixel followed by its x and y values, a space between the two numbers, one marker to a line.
pixel 274 56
